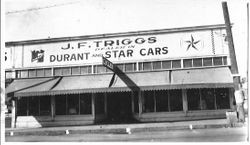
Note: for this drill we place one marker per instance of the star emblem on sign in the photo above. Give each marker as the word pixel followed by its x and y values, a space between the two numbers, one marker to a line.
pixel 192 43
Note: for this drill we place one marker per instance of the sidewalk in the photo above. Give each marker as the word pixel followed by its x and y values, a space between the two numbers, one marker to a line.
pixel 121 128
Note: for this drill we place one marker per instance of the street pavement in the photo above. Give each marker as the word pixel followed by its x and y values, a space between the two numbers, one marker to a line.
pixel 238 134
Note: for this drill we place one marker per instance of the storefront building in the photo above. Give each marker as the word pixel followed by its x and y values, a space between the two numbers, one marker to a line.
pixel 164 75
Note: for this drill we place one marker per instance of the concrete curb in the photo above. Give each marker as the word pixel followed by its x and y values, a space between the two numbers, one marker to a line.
pixel 118 130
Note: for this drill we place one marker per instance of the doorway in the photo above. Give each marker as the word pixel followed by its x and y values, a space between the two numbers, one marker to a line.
pixel 119 107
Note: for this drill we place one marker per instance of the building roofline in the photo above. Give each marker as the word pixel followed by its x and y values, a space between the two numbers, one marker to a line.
pixel 110 35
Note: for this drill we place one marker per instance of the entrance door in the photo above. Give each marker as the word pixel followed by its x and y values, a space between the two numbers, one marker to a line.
pixel 119 109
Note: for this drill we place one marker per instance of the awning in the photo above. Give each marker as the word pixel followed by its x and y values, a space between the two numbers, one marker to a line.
pixel 31 86
pixel 202 78
pixel 158 80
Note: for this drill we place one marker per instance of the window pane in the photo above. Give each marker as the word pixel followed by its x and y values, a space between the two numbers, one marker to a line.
pixel 175 100
pixel 40 72
pixel 66 71
pixel 136 102
pixel 24 73
pixel 166 64
pixel 47 72
pixel 75 70
pixel 161 101
pixel 120 66
pixel 147 66
pixel 100 69
pixel 18 74
pixel 85 104
pixel 222 98
pixel 85 70
pixel 129 67
pixel 45 106
pixel 157 65
pixel 207 61
pixel 32 73
pixel 57 71
pixel 176 63
pixel 99 103
pixel 22 106
pixel 148 101
pixel 193 98
pixel 89 69
pixel 225 60
pixel 73 104
pixel 187 62
pixel 140 66
pixel 197 62
pixel 208 99
pixel 8 75
pixel 34 106
pixel 217 60
pixel 60 105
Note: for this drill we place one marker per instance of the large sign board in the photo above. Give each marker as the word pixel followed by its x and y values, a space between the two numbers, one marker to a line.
pixel 122 49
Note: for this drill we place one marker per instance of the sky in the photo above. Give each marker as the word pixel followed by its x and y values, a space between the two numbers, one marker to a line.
pixel 39 19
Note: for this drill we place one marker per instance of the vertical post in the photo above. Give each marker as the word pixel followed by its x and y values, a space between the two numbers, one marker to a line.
pixel 234 67
pixel 140 102
pixel 132 102
pixel 184 100
pixel 53 107
pixel 105 104
pixel 93 104
pixel 13 114
pixel 231 98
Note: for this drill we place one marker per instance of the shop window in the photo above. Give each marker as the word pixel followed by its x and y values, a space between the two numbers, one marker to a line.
pixel 85 104
pixel 120 66
pixel 33 106
pixel 129 67
pixel 225 60
pixel 207 61
pixel 18 74
pixel 147 66
pixel 207 99
pixel 47 72
pixel 175 98
pixel 197 62
pixel 176 64
pixel 66 71
pixel 32 73
pixel 8 75
pixel 75 70
pixel 39 72
pixel 217 60
pixel 100 69
pixel 73 104
pixel 161 98
pixel 22 104
pixel 136 102
pixel 57 71
pixel 166 64
pixel 187 63
pixel 99 103
pixel 222 98
pixel 45 105
pixel 87 69
pixel 24 73
pixel 140 66
pixel 148 101
pixel 157 65
pixel 193 98
pixel 61 104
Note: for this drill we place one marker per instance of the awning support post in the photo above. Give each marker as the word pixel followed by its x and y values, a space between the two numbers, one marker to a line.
pixel 53 107
pixel 13 114
pixel 93 104
pixel 184 101
pixel 140 103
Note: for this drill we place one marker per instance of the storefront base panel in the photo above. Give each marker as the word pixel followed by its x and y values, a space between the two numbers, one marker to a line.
pixel 46 121
pixel 181 116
